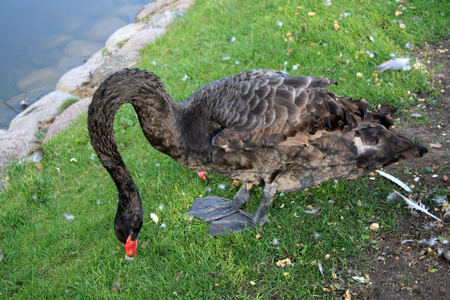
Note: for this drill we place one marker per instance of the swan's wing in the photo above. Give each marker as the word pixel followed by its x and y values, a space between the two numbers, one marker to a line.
pixel 262 107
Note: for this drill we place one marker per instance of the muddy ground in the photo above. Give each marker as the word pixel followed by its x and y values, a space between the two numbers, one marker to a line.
pixel 415 263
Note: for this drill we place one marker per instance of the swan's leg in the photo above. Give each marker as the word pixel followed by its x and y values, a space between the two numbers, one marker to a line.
pixel 212 208
pixel 261 217
pixel 240 220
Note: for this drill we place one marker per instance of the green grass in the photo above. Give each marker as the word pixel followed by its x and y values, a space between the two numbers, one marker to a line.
pixel 47 255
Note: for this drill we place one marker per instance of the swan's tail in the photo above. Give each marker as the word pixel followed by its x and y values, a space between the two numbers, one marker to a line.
pixel 407 149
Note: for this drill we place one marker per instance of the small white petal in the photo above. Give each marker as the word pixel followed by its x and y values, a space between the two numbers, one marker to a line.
pixel 154 217
pixel 68 216
pixel 221 186
pixel 185 77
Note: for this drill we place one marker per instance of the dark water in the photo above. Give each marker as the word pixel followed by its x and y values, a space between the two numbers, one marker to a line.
pixel 41 40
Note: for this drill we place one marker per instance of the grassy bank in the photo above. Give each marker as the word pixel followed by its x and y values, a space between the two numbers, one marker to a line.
pixel 56 218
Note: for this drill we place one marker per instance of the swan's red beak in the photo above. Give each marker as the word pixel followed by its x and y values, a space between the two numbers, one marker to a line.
pixel 130 247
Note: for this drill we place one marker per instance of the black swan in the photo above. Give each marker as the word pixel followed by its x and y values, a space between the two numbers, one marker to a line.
pixel 261 127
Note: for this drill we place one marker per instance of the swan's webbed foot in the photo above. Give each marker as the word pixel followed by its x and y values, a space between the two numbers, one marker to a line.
pixel 213 208
pixel 225 216
pixel 237 222
pixel 241 220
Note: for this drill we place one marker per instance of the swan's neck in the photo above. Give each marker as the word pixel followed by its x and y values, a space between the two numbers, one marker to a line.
pixel 155 110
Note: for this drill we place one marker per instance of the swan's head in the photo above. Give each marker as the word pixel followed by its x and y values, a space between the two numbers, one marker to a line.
pixel 127 227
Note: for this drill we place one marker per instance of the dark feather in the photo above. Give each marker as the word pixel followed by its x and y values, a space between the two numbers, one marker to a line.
pixel 259 126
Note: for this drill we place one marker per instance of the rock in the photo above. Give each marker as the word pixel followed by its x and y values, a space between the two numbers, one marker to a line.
pixel 114 64
pixel 68 63
pixel 54 40
pixel 127 12
pixel 81 48
pixel 140 39
pixel 97 59
pixel 154 9
pixel 103 28
pixel 67 117
pixel 17 142
pixel 127 56
pixel 164 19
pixel 122 34
pixel 148 9
pixel 42 110
pixel 76 78
pixel 39 78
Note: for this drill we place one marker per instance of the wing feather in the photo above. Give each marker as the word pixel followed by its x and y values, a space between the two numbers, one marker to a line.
pixel 264 107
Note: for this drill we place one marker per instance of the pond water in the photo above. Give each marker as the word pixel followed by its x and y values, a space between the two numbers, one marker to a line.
pixel 42 40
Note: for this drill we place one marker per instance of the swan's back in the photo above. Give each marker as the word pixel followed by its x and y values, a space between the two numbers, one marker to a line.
pixel 263 126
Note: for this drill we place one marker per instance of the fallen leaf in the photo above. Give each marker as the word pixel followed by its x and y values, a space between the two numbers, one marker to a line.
pixel 235 183
pixel 258 236
pixel 347 295
pixel 336 25
pixel 311 14
pixel 435 145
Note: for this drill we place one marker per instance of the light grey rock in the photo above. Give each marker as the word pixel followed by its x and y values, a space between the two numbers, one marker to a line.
pixel 150 8
pixel 103 28
pixel 77 77
pixel 122 34
pixel 81 48
pixel 154 9
pixel 17 142
pixel 140 39
pixel 126 11
pixel 97 59
pixel 164 19
pixel 114 64
pixel 39 78
pixel 68 63
pixel 67 117
pixel 127 56
pixel 54 40
pixel 42 110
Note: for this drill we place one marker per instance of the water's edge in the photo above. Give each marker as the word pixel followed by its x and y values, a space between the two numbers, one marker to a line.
pixel 151 20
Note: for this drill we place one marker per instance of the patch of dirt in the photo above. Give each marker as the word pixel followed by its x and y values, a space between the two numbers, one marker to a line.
pixel 415 263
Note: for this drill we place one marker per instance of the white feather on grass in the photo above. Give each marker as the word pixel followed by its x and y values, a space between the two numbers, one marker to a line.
pixel 395 180
pixel 418 206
